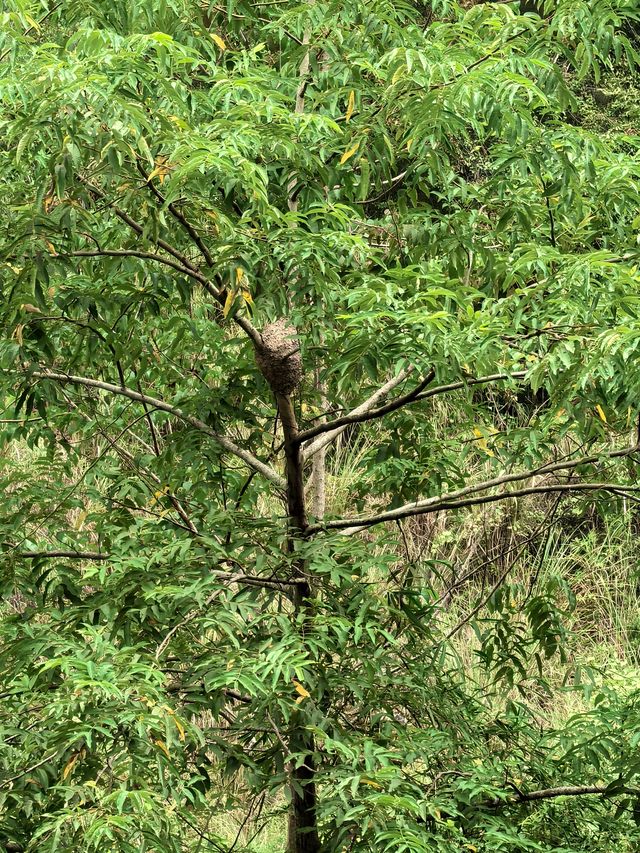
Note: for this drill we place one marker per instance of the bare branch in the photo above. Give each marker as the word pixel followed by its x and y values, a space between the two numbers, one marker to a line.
pixel 71 555
pixel 460 498
pixel 362 417
pixel 138 253
pixel 358 524
pixel 367 406
pixel 367 411
pixel 563 791
pixel 480 380
pixel 226 443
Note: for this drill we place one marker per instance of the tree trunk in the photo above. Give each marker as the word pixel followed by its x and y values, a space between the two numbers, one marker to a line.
pixel 303 829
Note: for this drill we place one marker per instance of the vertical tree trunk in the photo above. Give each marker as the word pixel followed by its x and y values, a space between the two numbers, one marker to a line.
pixel 303 829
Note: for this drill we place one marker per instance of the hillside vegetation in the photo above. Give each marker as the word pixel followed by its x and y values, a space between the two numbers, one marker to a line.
pixel 319 361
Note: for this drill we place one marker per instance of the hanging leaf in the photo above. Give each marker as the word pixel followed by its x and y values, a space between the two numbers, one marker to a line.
pixel 69 766
pixel 350 105
pixel 161 744
pixel 302 691
pixel 161 170
pixel 601 413
pixel 228 303
pixel 219 41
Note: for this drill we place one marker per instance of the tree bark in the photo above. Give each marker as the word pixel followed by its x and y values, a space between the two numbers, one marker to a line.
pixel 303 829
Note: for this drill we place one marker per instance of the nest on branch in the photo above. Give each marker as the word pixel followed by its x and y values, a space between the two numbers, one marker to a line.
pixel 278 356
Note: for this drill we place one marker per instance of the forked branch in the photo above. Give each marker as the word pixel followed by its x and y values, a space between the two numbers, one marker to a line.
pixel 369 410
pixel 369 404
pixel 186 265
pixel 353 525
pixel 371 415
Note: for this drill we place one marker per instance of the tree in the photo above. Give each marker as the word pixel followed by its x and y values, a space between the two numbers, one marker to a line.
pixel 236 239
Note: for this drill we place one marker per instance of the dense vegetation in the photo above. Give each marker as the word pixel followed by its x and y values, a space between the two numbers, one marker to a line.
pixel 319 359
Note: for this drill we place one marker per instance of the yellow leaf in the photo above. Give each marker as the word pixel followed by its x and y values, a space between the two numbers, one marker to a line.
pixel 240 275
pixel 162 746
pixel 32 309
pixel 349 153
pixel 179 726
pixel 371 783
pixel 471 847
pixel 409 143
pixel 162 169
pixel 228 304
pixel 601 413
pixel 304 693
pixel 398 73
pixel 17 333
pixel 350 105
pixel 246 295
pixel 69 766
pixel 481 441
pixel 51 248
pixel 219 41
pixel 157 495
pixel 34 25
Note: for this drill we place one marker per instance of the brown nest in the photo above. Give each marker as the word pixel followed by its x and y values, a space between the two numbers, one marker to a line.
pixel 278 356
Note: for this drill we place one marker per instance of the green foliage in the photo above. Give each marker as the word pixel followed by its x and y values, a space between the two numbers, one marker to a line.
pixel 407 184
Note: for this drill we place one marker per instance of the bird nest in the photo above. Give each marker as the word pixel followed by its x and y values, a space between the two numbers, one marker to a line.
pixel 278 356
